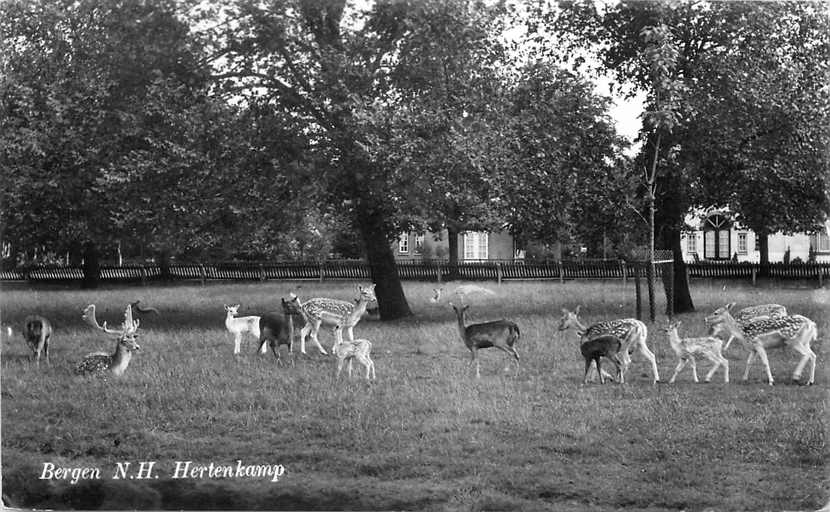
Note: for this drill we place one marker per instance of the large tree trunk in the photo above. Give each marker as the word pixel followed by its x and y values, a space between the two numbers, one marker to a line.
pixel 392 302
pixel 668 224
pixel 92 267
pixel 452 251
pixel 763 242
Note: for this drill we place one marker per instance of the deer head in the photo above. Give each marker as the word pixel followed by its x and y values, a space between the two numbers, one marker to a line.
pixel 720 315
pixel 233 310
pixel 367 293
pixel 129 328
pixel 570 319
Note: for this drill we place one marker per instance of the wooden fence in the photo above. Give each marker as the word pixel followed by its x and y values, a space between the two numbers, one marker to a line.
pixel 413 271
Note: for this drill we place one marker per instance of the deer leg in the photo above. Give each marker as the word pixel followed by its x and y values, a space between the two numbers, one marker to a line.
pixel 728 342
pixel 618 367
pixel 806 355
pixel 351 360
pixel 650 356
pixel 599 371
pixel 762 354
pixel 315 329
pixel 677 369
pixel 237 340
pixel 694 368
pixel 304 332
pixel 350 332
pixel 339 368
pixel 749 359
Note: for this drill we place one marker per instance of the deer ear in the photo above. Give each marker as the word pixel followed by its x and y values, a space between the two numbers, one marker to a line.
pixel 729 306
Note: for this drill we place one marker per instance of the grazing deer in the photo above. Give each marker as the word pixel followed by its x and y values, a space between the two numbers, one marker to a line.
pixel 359 350
pixel 37 331
pixel 795 331
pixel 329 312
pixel 633 333
pixel 607 346
pixel 749 315
pixel 103 363
pixel 686 349
pixel 275 328
pixel 502 334
pixel 238 326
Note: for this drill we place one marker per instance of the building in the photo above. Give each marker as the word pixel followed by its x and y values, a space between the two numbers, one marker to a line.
pixel 472 246
pixel 719 237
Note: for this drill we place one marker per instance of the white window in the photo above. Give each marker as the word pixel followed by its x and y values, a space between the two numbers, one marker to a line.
pixel 691 243
pixel 742 245
pixel 475 245
pixel 419 244
pixel 403 243
pixel 820 242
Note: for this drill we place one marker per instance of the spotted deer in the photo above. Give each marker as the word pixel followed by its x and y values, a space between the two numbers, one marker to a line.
pixel 37 331
pixel 351 350
pixel 686 348
pixel 795 331
pixel 330 312
pixel 748 315
pixel 502 334
pixel 103 363
pixel 632 332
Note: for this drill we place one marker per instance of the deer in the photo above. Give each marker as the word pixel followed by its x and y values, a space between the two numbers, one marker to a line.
pixel 296 319
pixel 37 331
pixel 329 312
pixel 104 363
pixel 502 334
pixel 750 314
pixel 795 331
pixel 350 350
pixel 276 329
pixel 607 346
pixel 238 326
pixel 709 347
pixel 632 331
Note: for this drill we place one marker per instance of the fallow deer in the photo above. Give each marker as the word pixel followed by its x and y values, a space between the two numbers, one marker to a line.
pixel 330 312
pixel 238 326
pixel 686 348
pixel 631 331
pixel 37 331
pixel 607 346
pixel 360 350
pixel 103 363
pixel 750 314
pixel 502 334
pixel 795 331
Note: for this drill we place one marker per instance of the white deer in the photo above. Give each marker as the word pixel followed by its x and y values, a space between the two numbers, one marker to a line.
pixel 795 331
pixel 631 331
pixel 351 350
pixel 749 315
pixel 238 326
pixel 330 312
pixel 686 349
pixel 102 363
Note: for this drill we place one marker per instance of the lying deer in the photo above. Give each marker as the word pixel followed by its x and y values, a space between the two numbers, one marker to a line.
pixel 795 331
pixel 502 334
pixel 103 363
pixel 37 331
pixel 632 332
pixel 330 312
pixel 709 347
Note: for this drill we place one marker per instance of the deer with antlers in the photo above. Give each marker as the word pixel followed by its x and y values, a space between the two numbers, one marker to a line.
pixel 632 332
pixel 103 363
pixel 794 331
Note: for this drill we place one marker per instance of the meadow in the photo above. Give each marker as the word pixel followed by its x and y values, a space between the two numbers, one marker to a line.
pixel 426 435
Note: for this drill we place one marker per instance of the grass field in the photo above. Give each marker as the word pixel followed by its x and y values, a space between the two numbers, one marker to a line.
pixel 426 434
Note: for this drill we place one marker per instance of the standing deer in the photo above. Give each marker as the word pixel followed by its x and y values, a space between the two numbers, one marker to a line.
pixel 749 315
pixel 795 331
pixel 238 326
pixel 350 350
pixel 502 334
pixel 631 331
pixel 276 329
pixel 330 312
pixel 37 331
pixel 686 349
pixel 607 346
pixel 103 363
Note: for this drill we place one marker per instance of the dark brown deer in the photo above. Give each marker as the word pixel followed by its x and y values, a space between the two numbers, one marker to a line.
pixel 276 329
pixel 37 331
pixel 607 346
pixel 502 334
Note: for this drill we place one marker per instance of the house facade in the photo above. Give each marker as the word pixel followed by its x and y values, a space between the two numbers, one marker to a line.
pixel 718 237
pixel 472 246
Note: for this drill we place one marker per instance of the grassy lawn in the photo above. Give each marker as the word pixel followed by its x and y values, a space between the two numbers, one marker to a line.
pixel 426 434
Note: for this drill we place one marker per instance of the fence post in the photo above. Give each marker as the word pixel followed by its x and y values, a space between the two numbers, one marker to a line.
pixel 438 271
pixel 322 271
pixel 561 271
pixel 637 292
pixel 498 271
pixel 202 273
pixel 143 275
pixel 754 275
pixel 261 272
pixel 820 276
pixel 624 271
